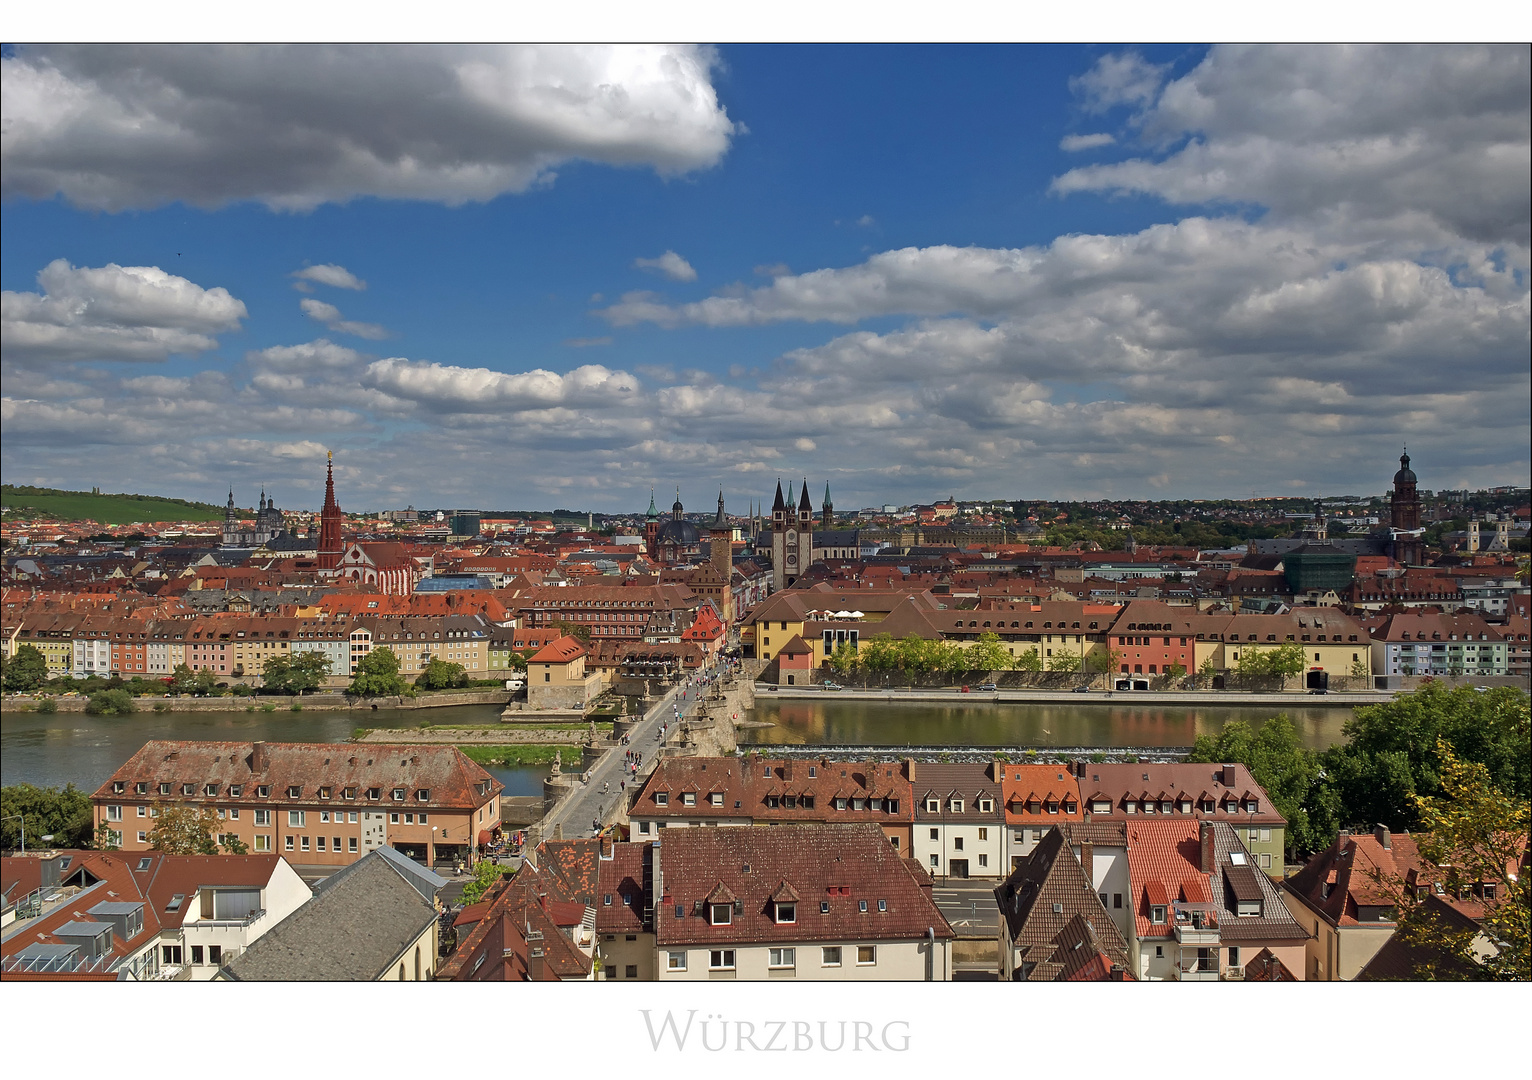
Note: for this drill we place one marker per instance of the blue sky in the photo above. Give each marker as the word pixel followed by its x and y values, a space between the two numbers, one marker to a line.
pixel 988 271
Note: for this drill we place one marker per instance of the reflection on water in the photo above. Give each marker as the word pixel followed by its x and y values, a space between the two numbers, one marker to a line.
pixel 73 748
pixel 897 723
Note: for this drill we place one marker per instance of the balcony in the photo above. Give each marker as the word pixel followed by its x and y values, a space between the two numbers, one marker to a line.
pixel 1197 971
pixel 1189 934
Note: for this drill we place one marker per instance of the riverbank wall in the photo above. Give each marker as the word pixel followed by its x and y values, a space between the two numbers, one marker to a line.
pixel 1219 698
pixel 280 703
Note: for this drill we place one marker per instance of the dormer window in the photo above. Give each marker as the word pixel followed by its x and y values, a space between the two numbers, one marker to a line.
pixel 236 790
pixel 1251 806
pixel 720 914
pixel 141 788
pixel 1156 914
pixel 424 795
pixel 374 793
pixel 840 804
pixel 787 913
pixel 986 806
pixel 398 794
pixel 210 790
pixel 688 798
pixel 715 799
pixel 164 789
pixel 348 793
pixel 955 806
pixel 661 798
pixel 264 791
pixel 118 787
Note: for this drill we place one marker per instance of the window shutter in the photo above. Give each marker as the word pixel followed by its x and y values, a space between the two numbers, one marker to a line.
pixel 207 903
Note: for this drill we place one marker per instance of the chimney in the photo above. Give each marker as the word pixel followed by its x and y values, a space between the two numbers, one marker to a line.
pixel 1384 838
pixel 787 768
pixel 909 769
pixel 258 759
pixel 1228 776
pixel 1078 768
pixel 535 963
pixel 1088 860
pixel 1205 836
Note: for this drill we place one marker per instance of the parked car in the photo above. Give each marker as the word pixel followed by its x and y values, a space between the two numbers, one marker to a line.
pixel 828 685
pixel 987 687
pixel 1082 689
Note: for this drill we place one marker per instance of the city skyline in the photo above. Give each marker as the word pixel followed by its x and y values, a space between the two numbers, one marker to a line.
pixel 985 271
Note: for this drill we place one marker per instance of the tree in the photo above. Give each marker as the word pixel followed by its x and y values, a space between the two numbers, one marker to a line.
pixel 180 829
pixel 296 673
pixel 1360 669
pixel 441 674
pixel 843 660
pixel 25 671
pixel 232 844
pixel 378 674
pixel 574 630
pixel 106 837
pixel 987 654
pixel 111 703
pixel 1030 660
pixel 485 874
pixel 65 813
pixel 1391 754
pixel 1477 835
pixel 1206 673
pixel 880 653
pixel 1065 661
pixel 183 680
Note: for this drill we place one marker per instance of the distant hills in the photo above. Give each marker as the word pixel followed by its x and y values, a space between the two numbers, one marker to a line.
pixel 106 509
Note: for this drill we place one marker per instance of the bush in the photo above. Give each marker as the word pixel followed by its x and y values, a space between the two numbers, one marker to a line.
pixel 111 703
pixel 47 706
pixel 295 707
pixel 162 706
pixel 268 707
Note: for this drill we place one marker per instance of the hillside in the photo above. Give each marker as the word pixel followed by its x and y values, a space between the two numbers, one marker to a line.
pixel 31 502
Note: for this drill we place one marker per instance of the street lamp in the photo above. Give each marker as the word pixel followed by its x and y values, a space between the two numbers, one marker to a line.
pixel 48 838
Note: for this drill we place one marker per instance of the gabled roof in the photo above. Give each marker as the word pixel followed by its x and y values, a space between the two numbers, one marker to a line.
pixel 559 651
pixel 1053 917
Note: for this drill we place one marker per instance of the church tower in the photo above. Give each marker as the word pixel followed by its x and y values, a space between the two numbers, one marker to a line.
pixel 827 511
pixel 1404 516
pixel 721 537
pixel 652 528
pixel 332 545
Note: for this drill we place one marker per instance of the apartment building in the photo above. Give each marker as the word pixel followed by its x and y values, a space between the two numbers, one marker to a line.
pixel 1036 798
pixel 314 803
pixel 960 820
pixel 1432 643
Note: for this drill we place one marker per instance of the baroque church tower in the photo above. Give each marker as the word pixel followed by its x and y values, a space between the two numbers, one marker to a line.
pixel 792 537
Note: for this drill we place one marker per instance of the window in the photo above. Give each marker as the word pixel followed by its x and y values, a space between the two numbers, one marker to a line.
pixel 262 817
pixel 661 798
pixel 957 843
pixel 324 817
pixel 1156 914
pixel 983 834
pixel 143 837
pixel 1117 900
pixel 861 906
pixel 262 843
pixel 350 844
pixel 398 794
pixel 935 861
pixel 305 842
pixel 688 798
pixel 114 813
pixel 824 907
pixel 956 806
pixel 829 956
pixel 295 819
pixel 170 954
pixel 1159 951
pixel 986 806
pixel 720 914
pixel 716 799
pixel 721 960
pixel 983 860
pixel 675 961
pixel 936 834
pixel 287 843
pixel 933 806
pixel 393 819
pixel 787 913
pixel 882 905
pixel 781 958
pixel 319 844
pixel 866 955
pixel 234 814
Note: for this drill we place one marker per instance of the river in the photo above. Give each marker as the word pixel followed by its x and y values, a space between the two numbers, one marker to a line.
pixel 65 748
pixel 906 723
pixel 75 748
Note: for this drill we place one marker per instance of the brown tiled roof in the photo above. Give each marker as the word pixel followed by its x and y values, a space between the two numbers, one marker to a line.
pixel 746 783
pixel 452 779
pixel 1039 902
pixel 1400 960
pixel 1029 788
pixel 1136 781
pixel 622 878
pixel 965 781
pixel 1348 867
pixel 167 876
pixel 748 864
pixel 1265 966
pixel 571 866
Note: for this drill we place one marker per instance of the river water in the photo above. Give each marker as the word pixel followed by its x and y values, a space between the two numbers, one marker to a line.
pixel 66 748
pixel 84 750
pixel 916 723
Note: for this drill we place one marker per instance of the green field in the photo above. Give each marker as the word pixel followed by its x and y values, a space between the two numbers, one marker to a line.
pixel 24 501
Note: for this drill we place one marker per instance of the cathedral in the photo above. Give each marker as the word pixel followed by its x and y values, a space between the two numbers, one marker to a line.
pixel 673 541
pixel 268 524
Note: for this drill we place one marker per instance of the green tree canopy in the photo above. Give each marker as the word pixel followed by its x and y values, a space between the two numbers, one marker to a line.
pixel 485 874
pixel 378 675
pixel 65 813
pixel 180 829
pixel 1283 766
pixel 988 654
pixel 298 672
pixel 26 670
pixel 441 674
pixel 111 703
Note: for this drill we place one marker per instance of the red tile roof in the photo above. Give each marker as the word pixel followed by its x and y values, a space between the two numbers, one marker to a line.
pixel 558 651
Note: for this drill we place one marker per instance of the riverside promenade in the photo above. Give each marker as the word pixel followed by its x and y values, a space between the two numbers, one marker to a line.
pixel 1031 696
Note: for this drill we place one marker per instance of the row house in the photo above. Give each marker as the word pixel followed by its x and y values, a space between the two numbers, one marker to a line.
pixel 787 614
pixel 960 820
pixel 1200 908
pixel 797 902
pixel 455 639
pixel 1432 643
pixel 618 612
pixel 1036 798
pixel 1053 629
pixel 1101 849
pixel 525 929
pixel 1133 791
pixel 316 804
pixel 109 915
pixel 754 790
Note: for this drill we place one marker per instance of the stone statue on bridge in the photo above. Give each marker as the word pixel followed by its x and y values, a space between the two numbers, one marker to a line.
pixel 558 762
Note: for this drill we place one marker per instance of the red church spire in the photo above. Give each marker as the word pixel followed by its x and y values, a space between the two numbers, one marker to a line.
pixel 331 544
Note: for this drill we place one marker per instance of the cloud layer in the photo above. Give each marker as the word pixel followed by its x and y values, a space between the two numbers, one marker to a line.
pixel 119 126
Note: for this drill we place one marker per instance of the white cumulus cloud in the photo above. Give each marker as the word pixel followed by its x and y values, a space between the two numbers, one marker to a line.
pixel 330 316
pixel 113 313
pixel 330 274
pixel 670 265
pixel 111 127
pixel 1074 143
pixel 445 386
